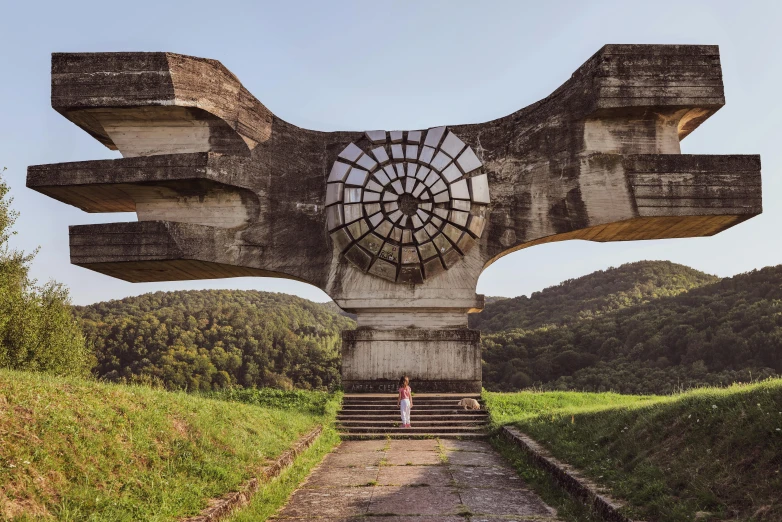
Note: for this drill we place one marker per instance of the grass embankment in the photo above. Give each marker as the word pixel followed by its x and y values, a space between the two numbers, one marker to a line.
pixel 78 450
pixel 708 454
pixel 273 495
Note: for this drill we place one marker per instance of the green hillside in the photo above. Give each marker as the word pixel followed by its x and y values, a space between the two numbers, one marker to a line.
pixel 716 333
pixel 78 450
pixel 710 454
pixel 590 296
pixel 211 339
pixel 647 327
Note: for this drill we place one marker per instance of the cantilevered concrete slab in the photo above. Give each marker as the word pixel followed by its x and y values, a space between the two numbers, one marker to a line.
pixel 396 226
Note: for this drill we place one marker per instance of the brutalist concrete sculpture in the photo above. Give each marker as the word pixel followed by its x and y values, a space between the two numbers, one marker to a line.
pixel 395 226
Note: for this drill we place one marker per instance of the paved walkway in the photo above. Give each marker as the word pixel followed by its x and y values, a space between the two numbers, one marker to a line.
pixel 415 480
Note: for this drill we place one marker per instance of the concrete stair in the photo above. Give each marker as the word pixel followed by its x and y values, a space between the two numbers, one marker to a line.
pixel 376 416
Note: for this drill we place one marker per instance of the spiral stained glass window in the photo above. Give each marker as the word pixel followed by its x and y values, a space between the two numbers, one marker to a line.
pixel 408 205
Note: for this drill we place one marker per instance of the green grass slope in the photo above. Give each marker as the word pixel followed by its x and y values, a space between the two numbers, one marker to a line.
pixel 708 454
pixel 77 450
pixel 589 296
pixel 507 408
pixel 272 496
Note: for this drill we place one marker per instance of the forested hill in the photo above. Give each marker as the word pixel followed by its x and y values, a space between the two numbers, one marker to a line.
pixel 726 331
pixel 590 296
pixel 209 339
pixel 647 327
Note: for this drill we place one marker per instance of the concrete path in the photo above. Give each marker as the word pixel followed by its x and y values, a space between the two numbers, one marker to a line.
pixel 415 480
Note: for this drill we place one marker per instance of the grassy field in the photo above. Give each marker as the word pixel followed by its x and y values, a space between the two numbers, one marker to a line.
pixel 78 450
pixel 708 454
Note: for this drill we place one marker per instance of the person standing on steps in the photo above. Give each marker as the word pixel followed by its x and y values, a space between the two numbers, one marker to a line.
pixel 405 400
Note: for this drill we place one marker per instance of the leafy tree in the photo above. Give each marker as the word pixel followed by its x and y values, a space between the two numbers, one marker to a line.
pixel 38 331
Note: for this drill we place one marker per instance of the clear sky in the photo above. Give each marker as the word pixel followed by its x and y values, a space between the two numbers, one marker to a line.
pixel 393 65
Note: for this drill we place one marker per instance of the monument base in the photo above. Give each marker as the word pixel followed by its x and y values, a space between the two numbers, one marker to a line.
pixel 435 360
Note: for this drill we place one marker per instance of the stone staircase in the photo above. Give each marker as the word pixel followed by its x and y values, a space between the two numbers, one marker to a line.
pixel 376 416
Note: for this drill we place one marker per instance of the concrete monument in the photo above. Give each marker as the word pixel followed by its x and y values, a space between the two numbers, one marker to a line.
pixel 395 226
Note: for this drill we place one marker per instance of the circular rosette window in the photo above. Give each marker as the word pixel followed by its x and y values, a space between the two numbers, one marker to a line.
pixel 409 206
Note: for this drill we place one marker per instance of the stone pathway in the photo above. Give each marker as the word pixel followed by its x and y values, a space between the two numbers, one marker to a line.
pixel 426 480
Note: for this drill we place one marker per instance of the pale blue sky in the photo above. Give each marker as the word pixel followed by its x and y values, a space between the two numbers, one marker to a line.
pixel 394 65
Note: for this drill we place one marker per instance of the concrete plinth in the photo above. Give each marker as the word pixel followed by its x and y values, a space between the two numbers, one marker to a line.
pixel 436 360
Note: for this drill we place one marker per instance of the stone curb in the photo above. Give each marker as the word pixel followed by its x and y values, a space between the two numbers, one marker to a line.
pixel 569 479
pixel 220 508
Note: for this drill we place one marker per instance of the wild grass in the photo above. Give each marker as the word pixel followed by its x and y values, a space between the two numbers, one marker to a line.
pixel 273 495
pixel 81 450
pixel 317 402
pixel 710 454
pixel 568 509
pixel 506 408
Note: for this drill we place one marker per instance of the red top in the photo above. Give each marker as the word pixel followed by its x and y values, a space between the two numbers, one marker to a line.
pixel 404 393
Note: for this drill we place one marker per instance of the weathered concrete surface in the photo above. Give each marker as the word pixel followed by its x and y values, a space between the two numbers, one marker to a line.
pixel 434 415
pixel 224 188
pixel 441 360
pixel 414 480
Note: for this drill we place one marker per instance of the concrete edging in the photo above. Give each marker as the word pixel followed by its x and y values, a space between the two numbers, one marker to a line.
pixel 567 477
pixel 220 508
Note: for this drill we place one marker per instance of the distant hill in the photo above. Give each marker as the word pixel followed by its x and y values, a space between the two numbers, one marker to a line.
pixel 491 299
pixel 210 339
pixel 649 327
pixel 590 295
